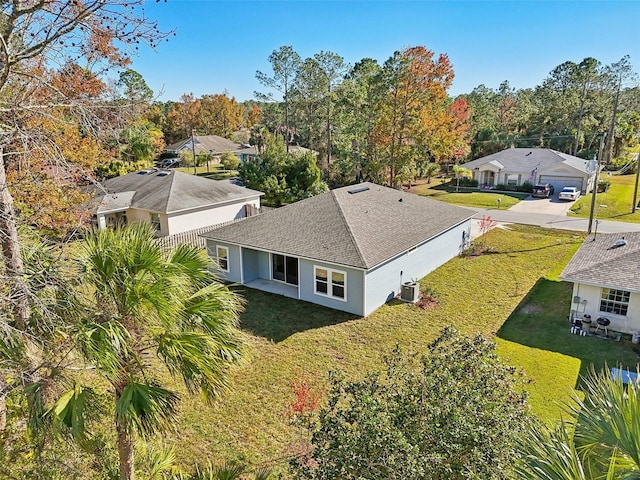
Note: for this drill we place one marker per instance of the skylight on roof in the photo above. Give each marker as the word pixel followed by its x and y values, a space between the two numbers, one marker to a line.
pixel 358 190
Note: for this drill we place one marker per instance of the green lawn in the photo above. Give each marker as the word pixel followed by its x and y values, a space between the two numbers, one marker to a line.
pixel 468 197
pixel 614 204
pixel 512 295
pixel 214 171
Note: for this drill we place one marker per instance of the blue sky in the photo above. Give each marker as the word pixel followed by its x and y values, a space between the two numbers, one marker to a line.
pixel 219 45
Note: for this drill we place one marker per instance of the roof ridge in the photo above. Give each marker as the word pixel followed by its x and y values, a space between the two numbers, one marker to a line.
pixel 346 223
pixel 170 192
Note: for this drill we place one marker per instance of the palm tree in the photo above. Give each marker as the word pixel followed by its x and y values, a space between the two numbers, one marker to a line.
pixel 142 304
pixel 603 442
pixel 461 172
pixel 431 170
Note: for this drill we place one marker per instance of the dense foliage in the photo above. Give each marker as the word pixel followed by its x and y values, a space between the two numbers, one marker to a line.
pixel 455 412
pixel 283 177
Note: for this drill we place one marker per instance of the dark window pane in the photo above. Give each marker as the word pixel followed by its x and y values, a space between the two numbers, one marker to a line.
pixel 338 291
pixel 278 267
pixel 292 270
pixel 321 287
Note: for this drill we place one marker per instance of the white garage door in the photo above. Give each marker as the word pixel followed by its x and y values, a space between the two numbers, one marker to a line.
pixel 560 182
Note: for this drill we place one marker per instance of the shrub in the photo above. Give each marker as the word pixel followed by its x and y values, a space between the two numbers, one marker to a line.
pixel 230 161
pixel 603 184
pixel 525 187
pixel 453 412
pixel 468 182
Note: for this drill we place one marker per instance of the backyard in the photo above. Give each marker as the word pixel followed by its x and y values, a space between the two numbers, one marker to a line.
pixel 511 295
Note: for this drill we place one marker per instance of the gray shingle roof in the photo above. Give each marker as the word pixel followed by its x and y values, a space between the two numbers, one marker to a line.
pixel 360 229
pixel 600 262
pixel 205 144
pixel 519 159
pixel 168 191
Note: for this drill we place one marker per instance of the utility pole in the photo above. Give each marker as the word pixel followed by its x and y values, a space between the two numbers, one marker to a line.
pixel 635 190
pixel 595 183
pixel 193 150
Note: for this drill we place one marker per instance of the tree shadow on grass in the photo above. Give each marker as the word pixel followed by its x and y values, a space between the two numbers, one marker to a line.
pixel 276 317
pixel 541 321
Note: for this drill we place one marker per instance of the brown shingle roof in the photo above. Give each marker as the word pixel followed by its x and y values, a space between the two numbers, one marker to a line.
pixel 360 229
pixel 601 262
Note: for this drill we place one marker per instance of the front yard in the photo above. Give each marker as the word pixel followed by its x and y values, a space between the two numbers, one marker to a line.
pixel 512 295
pixel 467 197
pixel 614 204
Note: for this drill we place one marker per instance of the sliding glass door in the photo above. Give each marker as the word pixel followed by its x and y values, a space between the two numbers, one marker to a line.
pixel 284 269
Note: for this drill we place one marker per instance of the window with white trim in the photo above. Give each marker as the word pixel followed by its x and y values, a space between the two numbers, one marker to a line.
pixel 222 255
pixel 330 283
pixel 614 301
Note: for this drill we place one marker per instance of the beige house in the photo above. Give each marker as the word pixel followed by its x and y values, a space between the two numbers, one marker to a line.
pixel 515 166
pixel 172 201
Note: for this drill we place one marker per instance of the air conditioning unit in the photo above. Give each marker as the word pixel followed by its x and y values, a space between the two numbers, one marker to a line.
pixel 410 292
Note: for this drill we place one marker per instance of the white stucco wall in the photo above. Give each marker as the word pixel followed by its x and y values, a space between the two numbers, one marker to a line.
pixel 592 294
pixel 185 221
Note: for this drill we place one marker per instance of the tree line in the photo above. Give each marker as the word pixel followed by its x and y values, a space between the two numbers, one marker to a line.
pixel 390 122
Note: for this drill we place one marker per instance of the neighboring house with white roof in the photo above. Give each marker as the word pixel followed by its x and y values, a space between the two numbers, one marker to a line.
pixel 350 249
pixel 605 272
pixel 515 166
pixel 172 201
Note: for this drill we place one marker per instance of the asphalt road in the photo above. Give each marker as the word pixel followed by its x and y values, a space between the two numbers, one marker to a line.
pixel 563 222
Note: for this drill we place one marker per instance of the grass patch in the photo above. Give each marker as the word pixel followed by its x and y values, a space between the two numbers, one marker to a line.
pixel 214 171
pixel 512 295
pixel 614 204
pixel 468 197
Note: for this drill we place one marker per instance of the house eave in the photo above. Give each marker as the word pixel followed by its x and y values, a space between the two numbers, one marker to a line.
pixel 216 204
pixel 311 259
pixel 598 284
pixel 364 269
pixel 427 240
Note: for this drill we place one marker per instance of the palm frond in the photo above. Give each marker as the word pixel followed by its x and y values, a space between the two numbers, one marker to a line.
pixel 193 263
pixel 550 455
pixel 105 344
pixel 146 408
pixel 201 361
pixel 73 409
pixel 608 425
pixel 157 461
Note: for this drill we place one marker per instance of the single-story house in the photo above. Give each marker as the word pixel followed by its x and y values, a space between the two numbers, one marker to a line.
pixel 213 144
pixel 250 152
pixel 515 166
pixel 350 249
pixel 172 201
pixel 605 272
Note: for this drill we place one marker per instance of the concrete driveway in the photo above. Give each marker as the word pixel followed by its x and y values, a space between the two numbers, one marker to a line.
pixel 547 206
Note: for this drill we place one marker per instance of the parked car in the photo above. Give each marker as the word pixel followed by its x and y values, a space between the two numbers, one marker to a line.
pixel 569 193
pixel 237 181
pixel 543 190
pixel 170 163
